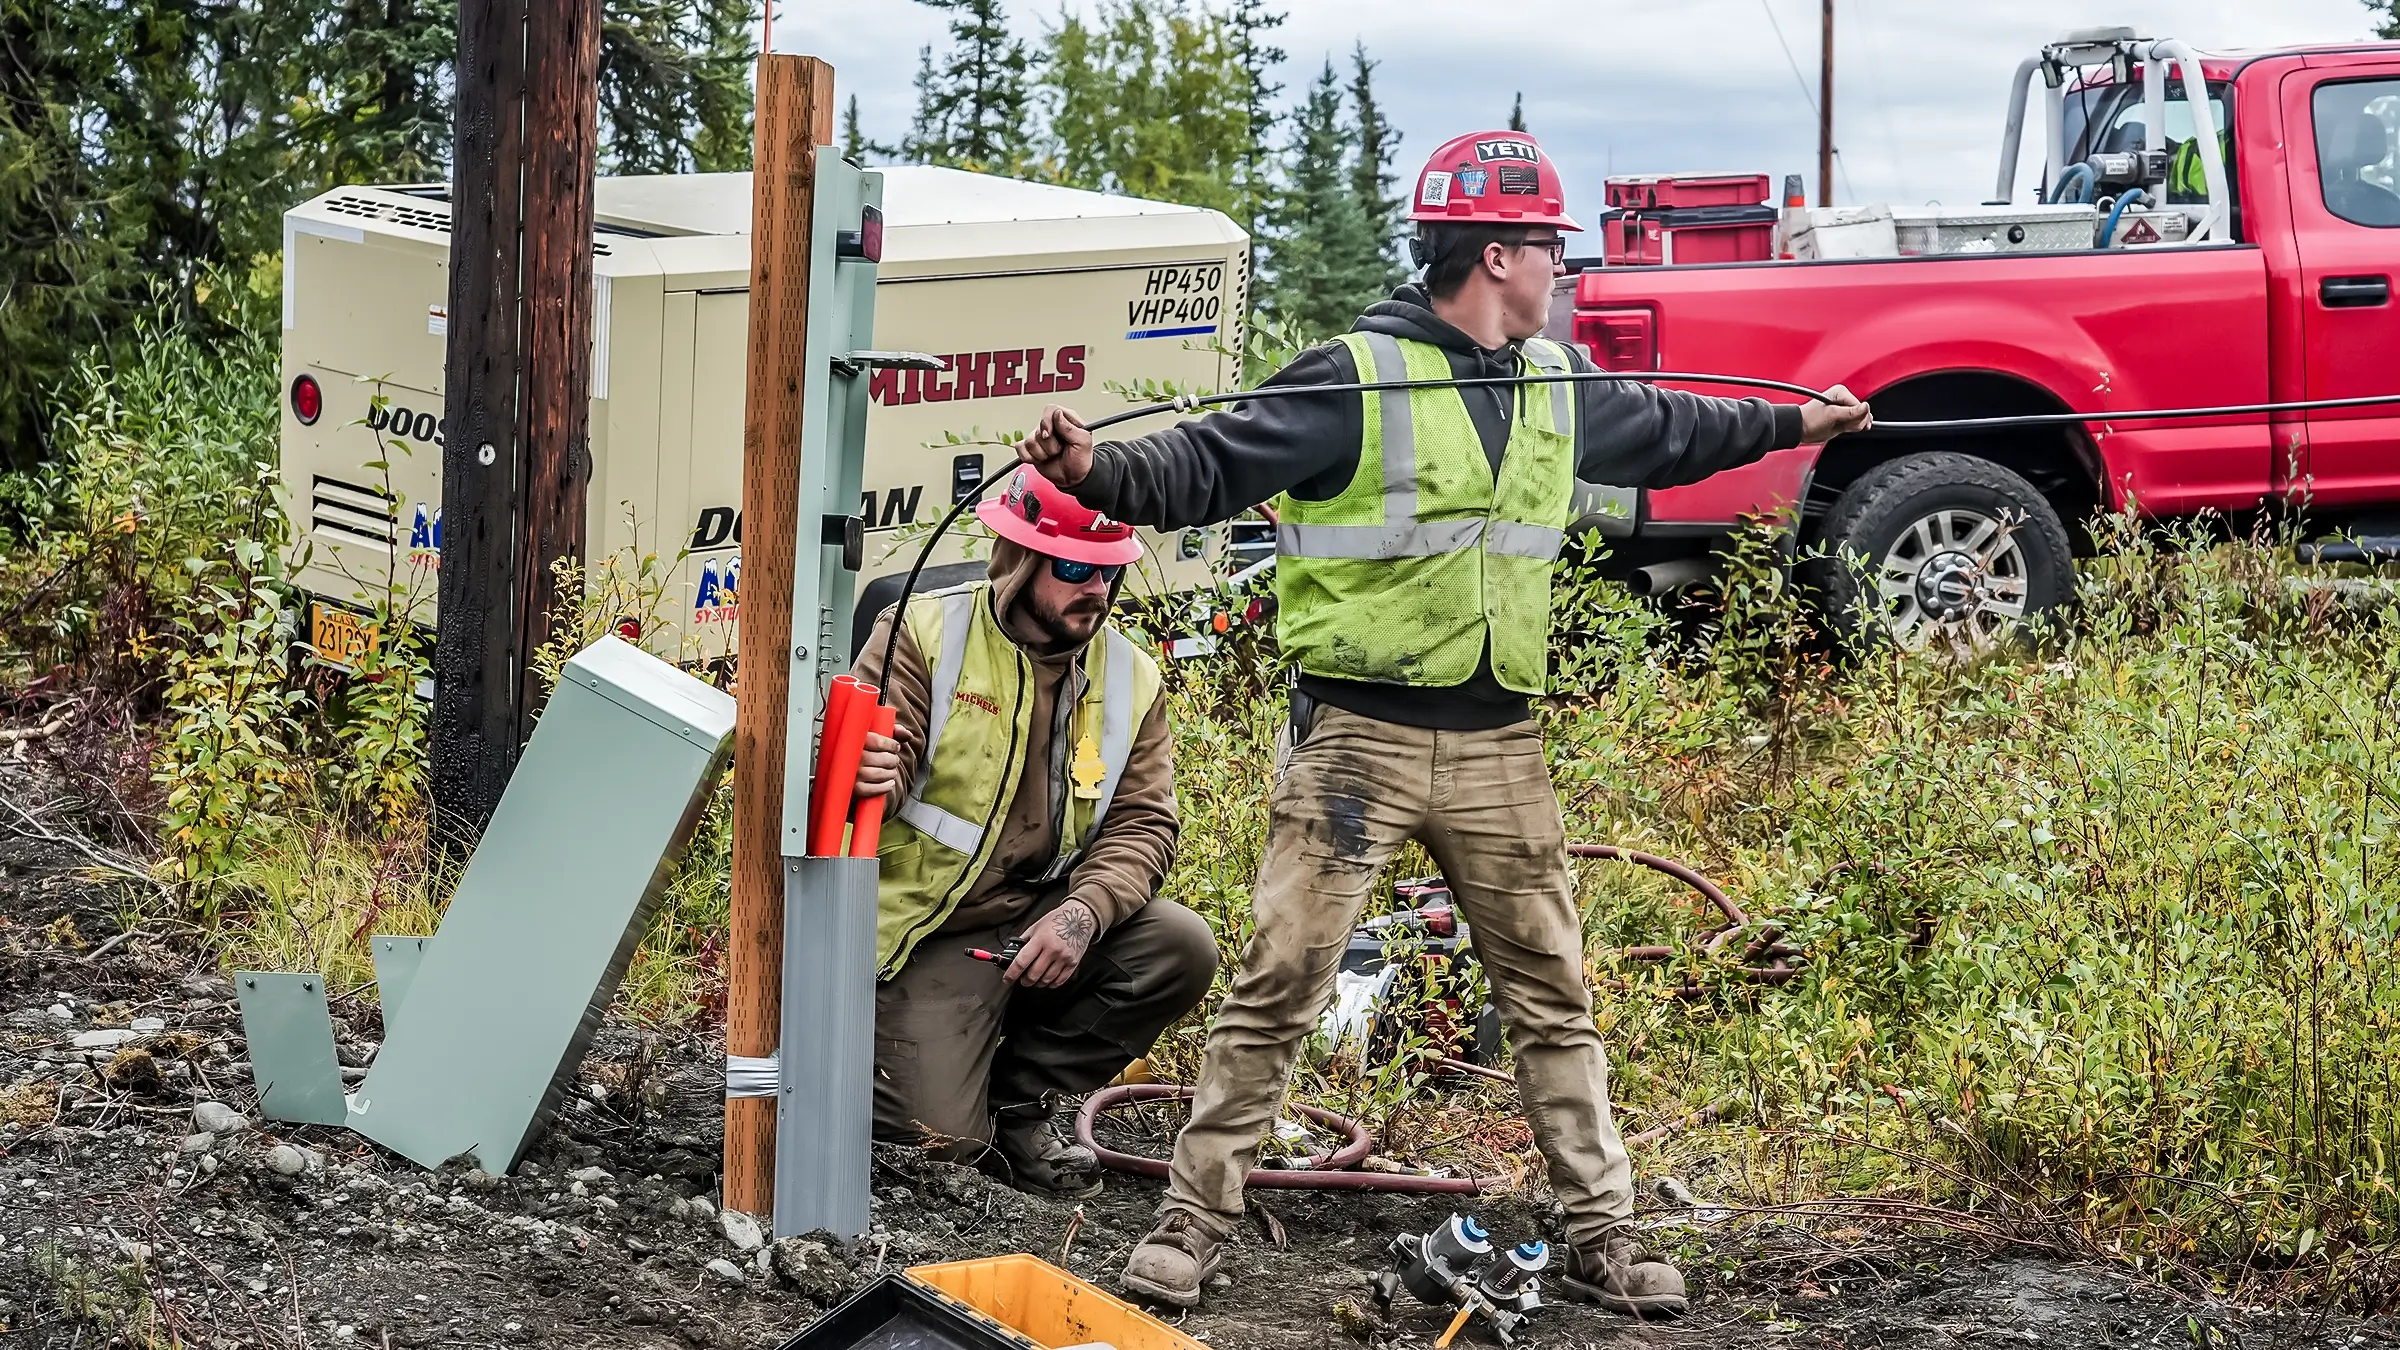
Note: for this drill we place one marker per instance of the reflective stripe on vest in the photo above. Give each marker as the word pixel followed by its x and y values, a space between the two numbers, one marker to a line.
pixel 958 613
pixel 1116 733
pixel 1402 535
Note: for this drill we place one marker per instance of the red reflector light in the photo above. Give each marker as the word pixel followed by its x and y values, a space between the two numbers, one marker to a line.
pixel 308 401
pixel 1619 339
pixel 630 629
pixel 864 242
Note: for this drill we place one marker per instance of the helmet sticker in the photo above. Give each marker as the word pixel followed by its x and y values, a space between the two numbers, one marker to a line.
pixel 1520 179
pixel 1471 182
pixel 1487 151
pixel 1033 507
pixel 1436 191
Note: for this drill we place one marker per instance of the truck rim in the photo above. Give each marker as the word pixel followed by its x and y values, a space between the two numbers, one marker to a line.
pixel 1954 572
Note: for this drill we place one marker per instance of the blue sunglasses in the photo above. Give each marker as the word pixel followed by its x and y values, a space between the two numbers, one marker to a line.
pixel 1076 573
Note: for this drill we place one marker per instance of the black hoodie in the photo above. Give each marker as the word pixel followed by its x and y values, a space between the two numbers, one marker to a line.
pixel 1215 467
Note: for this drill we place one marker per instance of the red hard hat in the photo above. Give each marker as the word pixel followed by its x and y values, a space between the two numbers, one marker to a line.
pixel 1491 177
pixel 1040 515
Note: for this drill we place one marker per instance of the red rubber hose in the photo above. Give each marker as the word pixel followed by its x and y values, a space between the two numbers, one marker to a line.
pixel 1780 972
pixel 1321 1173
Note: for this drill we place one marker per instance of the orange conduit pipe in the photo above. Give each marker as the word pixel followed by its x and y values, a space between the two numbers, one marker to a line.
pixel 866 827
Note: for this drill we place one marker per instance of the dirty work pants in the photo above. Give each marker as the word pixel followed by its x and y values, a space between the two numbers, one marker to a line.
pixel 1353 791
pixel 954 1042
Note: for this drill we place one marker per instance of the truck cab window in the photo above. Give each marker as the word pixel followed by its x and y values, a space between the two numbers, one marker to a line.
pixel 2120 127
pixel 2355 139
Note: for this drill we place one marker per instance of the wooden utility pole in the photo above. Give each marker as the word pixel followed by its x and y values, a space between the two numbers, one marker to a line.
pixel 794 117
pixel 517 383
pixel 474 731
pixel 1825 115
pixel 562 110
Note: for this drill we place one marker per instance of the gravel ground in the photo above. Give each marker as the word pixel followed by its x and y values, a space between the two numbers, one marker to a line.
pixel 142 1202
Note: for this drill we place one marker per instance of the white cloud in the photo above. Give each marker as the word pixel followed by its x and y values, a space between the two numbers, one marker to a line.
pixel 1920 91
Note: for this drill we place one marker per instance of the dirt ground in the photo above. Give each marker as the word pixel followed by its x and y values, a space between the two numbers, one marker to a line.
pixel 121 1224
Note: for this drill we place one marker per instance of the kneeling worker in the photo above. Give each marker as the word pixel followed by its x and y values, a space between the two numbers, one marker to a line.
pixel 1034 799
pixel 1419 530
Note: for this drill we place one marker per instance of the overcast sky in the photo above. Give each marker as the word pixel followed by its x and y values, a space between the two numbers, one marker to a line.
pixel 1625 87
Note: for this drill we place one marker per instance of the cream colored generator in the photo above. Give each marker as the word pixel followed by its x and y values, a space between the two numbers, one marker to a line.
pixel 1034 293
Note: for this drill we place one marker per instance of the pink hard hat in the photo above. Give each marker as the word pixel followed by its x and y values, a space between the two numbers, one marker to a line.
pixel 1042 516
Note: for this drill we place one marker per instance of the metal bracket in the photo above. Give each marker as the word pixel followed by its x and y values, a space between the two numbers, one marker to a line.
pixel 396 962
pixel 290 1034
pixel 856 364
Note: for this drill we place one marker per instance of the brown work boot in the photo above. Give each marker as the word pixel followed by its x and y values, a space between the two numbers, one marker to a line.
pixel 1621 1277
pixel 1172 1264
pixel 1039 1160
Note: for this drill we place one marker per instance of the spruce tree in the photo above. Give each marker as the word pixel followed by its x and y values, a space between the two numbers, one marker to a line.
pixel 1516 114
pixel 674 85
pixel 1371 175
pixel 2387 16
pixel 927 133
pixel 1326 263
pixel 974 107
pixel 854 138
pixel 1248 22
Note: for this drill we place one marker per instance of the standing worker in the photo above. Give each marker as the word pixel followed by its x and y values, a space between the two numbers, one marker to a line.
pixel 1418 531
pixel 1034 779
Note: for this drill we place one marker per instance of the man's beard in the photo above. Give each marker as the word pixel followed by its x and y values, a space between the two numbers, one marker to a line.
pixel 1070 627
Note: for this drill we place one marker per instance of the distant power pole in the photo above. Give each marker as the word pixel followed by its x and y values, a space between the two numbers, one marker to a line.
pixel 1825 115
pixel 516 382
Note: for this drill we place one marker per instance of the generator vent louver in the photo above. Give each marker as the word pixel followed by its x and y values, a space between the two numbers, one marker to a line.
pixel 354 510
pixel 434 219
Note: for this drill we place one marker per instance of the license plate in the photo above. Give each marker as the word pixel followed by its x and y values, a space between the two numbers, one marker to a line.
pixel 337 635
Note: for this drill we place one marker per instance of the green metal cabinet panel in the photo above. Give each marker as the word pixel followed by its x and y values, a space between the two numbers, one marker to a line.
pixel 556 897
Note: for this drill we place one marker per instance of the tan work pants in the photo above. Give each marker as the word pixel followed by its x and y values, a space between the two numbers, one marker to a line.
pixel 956 1044
pixel 1481 802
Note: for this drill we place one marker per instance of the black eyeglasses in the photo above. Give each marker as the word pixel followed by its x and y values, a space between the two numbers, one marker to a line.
pixel 1076 573
pixel 1556 248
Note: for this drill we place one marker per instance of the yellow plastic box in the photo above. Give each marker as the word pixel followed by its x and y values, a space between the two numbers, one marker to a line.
pixel 1048 1306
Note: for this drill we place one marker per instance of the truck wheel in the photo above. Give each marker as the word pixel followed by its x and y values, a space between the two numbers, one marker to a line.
pixel 1953 546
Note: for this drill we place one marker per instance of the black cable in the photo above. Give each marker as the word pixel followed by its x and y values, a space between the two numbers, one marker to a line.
pixel 1194 402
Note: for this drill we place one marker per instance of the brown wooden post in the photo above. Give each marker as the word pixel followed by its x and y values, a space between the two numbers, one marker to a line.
pixel 474 726
pixel 794 117
pixel 562 77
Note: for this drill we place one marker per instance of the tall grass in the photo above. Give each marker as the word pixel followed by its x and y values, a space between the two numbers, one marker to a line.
pixel 2097 931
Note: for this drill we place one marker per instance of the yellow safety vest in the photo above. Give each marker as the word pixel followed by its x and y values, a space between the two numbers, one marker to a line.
pixel 979 719
pixel 1403 576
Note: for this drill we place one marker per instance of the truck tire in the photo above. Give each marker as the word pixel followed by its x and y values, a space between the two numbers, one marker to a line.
pixel 1954 547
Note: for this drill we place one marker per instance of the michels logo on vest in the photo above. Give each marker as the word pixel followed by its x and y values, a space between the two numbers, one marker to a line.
pixel 1009 373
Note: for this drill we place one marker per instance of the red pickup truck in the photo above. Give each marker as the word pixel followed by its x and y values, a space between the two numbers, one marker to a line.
pixel 2273 285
